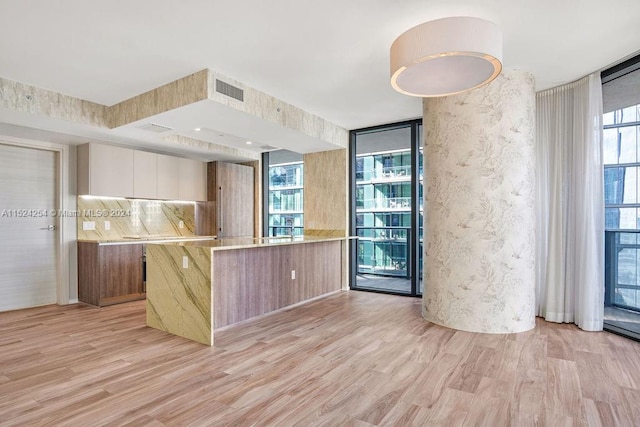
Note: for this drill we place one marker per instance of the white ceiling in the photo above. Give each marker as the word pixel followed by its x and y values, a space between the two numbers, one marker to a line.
pixel 329 57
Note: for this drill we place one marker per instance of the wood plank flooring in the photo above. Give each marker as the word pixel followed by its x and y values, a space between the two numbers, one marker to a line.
pixel 354 359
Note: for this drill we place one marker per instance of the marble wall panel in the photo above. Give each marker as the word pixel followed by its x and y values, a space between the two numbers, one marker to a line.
pixel 274 110
pixel 21 97
pixel 181 92
pixel 179 299
pixel 218 149
pixel 134 217
pixel 325 193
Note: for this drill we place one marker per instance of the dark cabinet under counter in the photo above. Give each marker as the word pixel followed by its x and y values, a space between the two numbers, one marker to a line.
pixel 110 273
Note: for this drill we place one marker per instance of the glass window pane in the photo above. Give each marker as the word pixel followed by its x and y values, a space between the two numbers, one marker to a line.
pixel 628 218
pixel 383 199
pixel 286 180
pixel 607 119
pixel 628 145
pixel 629 238
pixel 630 186
pixel 610 146
pixel 628 115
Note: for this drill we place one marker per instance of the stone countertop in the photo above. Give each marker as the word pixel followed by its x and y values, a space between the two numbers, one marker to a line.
pixel 248 242
pixel 149 239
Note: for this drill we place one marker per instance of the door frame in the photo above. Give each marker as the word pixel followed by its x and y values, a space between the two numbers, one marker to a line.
pixel 413 256
pixel 66 252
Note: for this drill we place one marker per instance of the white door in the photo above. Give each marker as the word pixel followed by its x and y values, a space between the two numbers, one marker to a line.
pixel 27 227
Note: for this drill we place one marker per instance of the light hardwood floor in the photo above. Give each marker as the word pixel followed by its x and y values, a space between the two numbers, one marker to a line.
pixel 353 359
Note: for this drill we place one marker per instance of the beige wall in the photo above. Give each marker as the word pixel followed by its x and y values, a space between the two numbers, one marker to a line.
pixel 325 193
pixel 480 218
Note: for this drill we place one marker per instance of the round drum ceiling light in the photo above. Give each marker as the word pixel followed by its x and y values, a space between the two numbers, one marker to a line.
pixel 446 56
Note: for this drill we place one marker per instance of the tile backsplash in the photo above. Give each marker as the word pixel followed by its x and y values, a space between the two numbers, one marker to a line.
pixel 121 218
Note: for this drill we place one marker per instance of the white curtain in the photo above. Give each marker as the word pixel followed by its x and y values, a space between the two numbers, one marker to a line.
pixel 570 204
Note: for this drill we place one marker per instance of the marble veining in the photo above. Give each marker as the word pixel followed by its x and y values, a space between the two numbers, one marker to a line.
pixel 269 108
pixel 215 148
pixel 134 217
pixel 24 98
pixel 194 287
pixel 182 92
pixel 325 191
pixel 324 233
pixel 179 299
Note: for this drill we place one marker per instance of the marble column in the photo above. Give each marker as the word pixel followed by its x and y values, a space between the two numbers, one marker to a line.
pixel 479 216
pixel 325 193
pixel 326 200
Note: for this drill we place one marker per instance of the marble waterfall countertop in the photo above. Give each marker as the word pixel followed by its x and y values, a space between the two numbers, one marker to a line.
pixel 148 239
pixel 194 287
pixel 249 242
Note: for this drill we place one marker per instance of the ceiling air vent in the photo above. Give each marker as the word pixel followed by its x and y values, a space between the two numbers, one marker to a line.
pixel 151 127
pixel 229 90
pixel 269 147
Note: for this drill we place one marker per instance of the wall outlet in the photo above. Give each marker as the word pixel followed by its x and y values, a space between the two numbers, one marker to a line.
pixel 293 275
pixel 181 224
pixel 88 225
pixel 185 262
pixel 107 225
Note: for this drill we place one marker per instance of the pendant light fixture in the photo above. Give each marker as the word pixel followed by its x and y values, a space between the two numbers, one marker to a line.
pixel 446 56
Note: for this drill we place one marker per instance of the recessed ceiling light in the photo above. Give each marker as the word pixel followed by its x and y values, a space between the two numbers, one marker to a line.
pixel 197 129
pixel 249 142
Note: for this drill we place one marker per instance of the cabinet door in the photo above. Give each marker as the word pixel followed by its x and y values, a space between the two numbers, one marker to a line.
pixel 168 177
pixel 120 273
pixel 192 182
pixel 145 174
pixel 104 170
pixel 234 200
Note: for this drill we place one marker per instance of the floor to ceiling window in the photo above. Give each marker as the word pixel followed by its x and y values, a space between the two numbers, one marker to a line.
pixel 386 208
pixel 285 193
pixel 621 151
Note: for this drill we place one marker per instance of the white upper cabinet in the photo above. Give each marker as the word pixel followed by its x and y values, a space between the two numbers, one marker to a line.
pixel 168 177
pixel 104 170
pixel 192 182
pixel 145 175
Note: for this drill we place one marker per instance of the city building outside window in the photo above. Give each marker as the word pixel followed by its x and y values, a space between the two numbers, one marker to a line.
pixel 286 194
pixel 621 139
pixel 387 208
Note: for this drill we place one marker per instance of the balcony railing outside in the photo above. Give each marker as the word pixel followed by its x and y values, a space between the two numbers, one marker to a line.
pixel 279 231
pixel 384 173
pixel 384 250
pixel 622 269
pixel 390 203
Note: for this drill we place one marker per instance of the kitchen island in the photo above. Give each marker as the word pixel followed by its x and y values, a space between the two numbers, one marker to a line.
pixel 194 287
pixel 111 271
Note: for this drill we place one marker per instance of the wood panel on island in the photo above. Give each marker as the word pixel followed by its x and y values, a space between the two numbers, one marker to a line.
pixel 196 287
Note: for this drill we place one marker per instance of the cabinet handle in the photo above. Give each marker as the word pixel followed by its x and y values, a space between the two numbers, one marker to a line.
pixel 219 209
